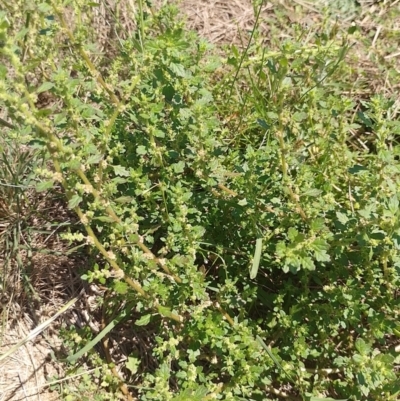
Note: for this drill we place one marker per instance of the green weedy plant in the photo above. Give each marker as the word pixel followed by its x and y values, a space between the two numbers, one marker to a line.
pixel 230 209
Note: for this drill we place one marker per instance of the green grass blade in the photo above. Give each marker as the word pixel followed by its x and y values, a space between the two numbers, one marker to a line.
pixel 272 356
pixel 256 259
pixel 99 337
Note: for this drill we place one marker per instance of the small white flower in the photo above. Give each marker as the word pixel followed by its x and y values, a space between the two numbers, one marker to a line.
pixel 87 189
pixel 118 274
pixel 111 255
pixel 148 256
pixel 57 177
pixel 89 240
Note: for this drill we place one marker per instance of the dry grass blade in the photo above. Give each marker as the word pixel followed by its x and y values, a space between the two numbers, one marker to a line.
pixel 34 333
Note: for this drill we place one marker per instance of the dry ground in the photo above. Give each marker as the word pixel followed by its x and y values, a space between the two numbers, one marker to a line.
pixel 23 376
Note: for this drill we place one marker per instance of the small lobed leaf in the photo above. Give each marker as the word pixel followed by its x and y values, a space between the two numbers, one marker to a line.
pixel 44 185
pixel 320 248
pixel 121 171
pixel 307 263
pixel 178 69
pixel 141 150
pixel 342 217
pixel 132 364
pixel 143 321
pixel 272 115
pixel 362 347
pixel 104 219
pixel 179 167
pixel 93 159
pixel 292 234
pixel 74 201
pixel 124 199
pixel 45 87
pixel 394 205
pixel 313 192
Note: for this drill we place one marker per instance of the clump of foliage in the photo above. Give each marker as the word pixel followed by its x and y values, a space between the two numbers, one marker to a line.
pixel 230 209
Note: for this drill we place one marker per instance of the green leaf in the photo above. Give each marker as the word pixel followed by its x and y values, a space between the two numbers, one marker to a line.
pixel 121 171
pixel 74 201
pixel 235 51
pixel 164 311
pixel 363 382
pixel 120 287
pixel 327 399
pixel 322 256
pixel 320 246
pixel 342 217
pixel 185 114
pixel 143 321
pixel 263 124
pixel 299 116
pixel 3 71
pixel 281 249
pixel 362 347
pixel 94 159
pixel 394 205
pixel 124 199
pixel 357 358
pixel 256 259
pixel 307 263
pixel 105 219
pixel 188 394
pixel 365 119
pixel 141 150
pixel 45 8
pixel 59 119
pixel 159 134
pixel 132 364
pixel 317 224
pixel 292 234
pixel 357 169
pixel 134 238
pixel 352 29
pixel 44 185
pixel 178 69
pixel 272 115
pixel 74 164
pixel 232 61
pixel 45 87
pixel 179 167
pixel 119 180
pixel 313 192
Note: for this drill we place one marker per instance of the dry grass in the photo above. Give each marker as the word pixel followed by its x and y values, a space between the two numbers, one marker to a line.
pixel 24 375
pixel 53 275
pixel 38 278
pixel 222 22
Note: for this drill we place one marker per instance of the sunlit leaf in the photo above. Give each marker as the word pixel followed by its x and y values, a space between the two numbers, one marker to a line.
pixel 256 259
